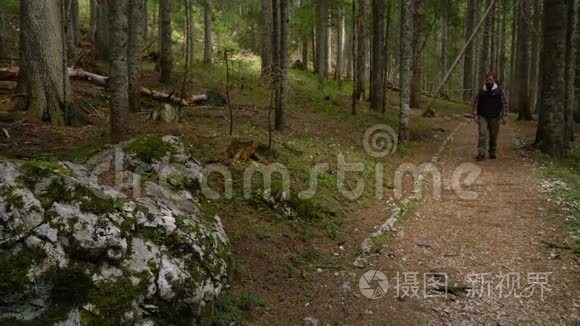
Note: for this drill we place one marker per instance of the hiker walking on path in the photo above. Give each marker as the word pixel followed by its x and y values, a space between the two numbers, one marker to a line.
pixel 489 108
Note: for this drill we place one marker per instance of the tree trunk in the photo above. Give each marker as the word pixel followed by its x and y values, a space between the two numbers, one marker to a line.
pixel 378 59
pixel 348 46
pixel 536 50
pixel 119 82
pixel 418 40
pixel 475 81
pixel 338 72
pixel 145 24
pixel 502 41
pixel 321 41
pixel 102 37
pixel 328 43
pixel 3 28
pixel 468 61
pixel 521 86
pixel 550 134
pixel 48 91
pixel 493 40
pixel 405 71
pixel 444 44
pixel 207 28
pixel 76 22
pixel 361 50
pixel 485 50
pixel 577 95
pixel 135 46
pixel 266 51
pixel 72 28
pixel 387 55
pixel 571 39
pixel 93 21
pixel 304 46
pixel 22 85
pixel 281 121
pixel 165 37
pixel 513 56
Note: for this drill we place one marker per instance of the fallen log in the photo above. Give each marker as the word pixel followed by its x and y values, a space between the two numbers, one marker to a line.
pixel 153 94
pixel 99 80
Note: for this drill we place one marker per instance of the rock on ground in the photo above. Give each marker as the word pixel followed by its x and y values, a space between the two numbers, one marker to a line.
pixel 78 246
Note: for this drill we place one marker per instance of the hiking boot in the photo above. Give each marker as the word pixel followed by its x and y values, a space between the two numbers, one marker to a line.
pixel 480 157
pixel 492 156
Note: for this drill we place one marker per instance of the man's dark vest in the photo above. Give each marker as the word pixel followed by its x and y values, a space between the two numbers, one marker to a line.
pixel 489 104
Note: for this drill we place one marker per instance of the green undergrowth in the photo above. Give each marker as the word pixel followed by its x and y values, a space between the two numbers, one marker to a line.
pixel 233 309
pixel 566 169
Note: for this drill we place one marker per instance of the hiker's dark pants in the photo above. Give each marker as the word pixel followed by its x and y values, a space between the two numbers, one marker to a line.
pixel 488 132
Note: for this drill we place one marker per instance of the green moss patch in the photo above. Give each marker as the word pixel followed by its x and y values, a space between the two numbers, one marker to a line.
pixel 150 148
pixel 13 269
pixel 112 299
pixel 35 170
pixel 13 200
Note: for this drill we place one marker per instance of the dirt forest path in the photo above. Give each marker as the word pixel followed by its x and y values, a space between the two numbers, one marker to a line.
pixel 496 240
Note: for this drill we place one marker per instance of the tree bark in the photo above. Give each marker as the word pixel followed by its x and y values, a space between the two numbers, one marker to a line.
pixel 207 28
pixel 76 21
pixel 418 41
pixel 304 44
pixel 165 37
pixel 48 89
pixel 266 51
pixel 493 40
pixel 348 46
pixel 321 41
pixel 134 48
pixel 102 37
pixel 485 50
pixel 468 61
pixel 577 95
pixel 536 50
pixel 361 50
pixel 521 86
pixel 72 28
pixel 145 24
pixel 378 60
pixel 281 120
pixel 550 134
pixel 119 82
pixel 93 21
pixel 571 40
pixel 2 33
pixel 22 84
pixel 513 54
pixel 502 41
pixel 405 71
pixel 444 43
pixel 387 55
pixel 338 72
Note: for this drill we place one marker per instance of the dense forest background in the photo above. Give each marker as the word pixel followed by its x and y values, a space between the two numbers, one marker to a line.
pixel 408 45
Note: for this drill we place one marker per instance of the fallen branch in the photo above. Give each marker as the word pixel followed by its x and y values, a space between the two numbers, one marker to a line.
pixel 99 80
pixel 153 94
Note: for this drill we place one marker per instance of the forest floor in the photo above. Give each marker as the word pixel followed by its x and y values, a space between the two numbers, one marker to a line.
pixel 499 238
pixel 288 269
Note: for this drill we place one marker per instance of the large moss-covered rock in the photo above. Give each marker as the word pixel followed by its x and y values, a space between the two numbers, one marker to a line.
pixel 80 245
